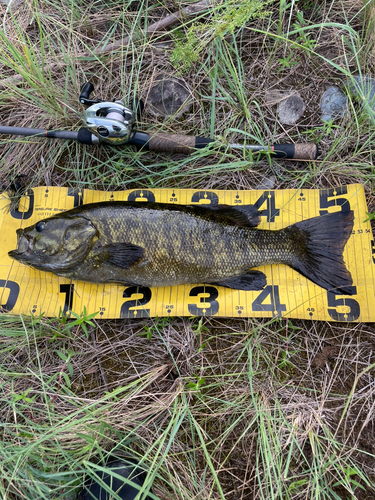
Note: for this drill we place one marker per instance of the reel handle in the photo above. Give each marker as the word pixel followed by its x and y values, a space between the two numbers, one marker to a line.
pixel 84 97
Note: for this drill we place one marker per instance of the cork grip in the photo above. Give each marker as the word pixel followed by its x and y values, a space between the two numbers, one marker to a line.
pixel 173 143
pixel 296 151
pixel 306 151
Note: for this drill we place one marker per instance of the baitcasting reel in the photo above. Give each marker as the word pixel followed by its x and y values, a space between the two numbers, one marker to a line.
pixel 110 122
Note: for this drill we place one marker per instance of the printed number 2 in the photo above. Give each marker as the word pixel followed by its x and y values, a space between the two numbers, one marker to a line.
pixel 136 313
pixel 336 301
pixel 271 294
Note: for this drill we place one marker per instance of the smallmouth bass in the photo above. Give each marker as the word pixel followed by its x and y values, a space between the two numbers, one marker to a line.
pixel 157 244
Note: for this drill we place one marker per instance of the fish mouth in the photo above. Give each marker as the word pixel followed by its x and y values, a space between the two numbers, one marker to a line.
pixel 25 245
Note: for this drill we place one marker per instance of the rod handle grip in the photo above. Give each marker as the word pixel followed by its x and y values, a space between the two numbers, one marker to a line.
pixel 308 151
pixel 176 143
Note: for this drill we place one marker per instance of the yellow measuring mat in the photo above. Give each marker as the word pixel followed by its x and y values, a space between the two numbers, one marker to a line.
pixel 287 293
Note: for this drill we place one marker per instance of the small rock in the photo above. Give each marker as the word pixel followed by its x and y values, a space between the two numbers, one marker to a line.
pixel 12 4
pixel 364 88
pixel 333 104
pixel 267 183
pixel 327 352
pixel 291 109
pixel 170 96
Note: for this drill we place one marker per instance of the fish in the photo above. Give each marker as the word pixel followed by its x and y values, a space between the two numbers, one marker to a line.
pixel 149 244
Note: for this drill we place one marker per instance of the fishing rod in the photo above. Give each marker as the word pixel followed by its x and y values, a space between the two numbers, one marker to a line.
pixel 112 123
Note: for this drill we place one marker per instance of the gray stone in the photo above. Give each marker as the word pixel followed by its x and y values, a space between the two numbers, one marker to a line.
pixel 291 109
pixel 267 183
pixel 12 4
pixel 333 104
pixel 169 96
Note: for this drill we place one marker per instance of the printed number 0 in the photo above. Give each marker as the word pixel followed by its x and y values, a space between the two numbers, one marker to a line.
pixel 17 214
pixel 14 290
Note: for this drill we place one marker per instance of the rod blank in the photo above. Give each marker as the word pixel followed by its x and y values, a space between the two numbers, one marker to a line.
pixel 172 143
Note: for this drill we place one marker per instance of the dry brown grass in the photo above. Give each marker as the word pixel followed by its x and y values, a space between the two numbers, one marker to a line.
pixel 286 409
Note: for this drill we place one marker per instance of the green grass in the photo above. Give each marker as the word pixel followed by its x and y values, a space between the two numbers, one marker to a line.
pixel 212 408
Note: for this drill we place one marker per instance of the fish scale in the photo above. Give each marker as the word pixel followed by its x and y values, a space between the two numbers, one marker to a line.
pixel 151 244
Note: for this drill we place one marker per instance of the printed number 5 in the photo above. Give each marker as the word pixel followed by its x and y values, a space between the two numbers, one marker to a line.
pixel 324 194
pixel 337 301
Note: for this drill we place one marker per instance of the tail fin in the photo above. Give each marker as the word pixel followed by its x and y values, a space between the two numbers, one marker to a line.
pixel 318 244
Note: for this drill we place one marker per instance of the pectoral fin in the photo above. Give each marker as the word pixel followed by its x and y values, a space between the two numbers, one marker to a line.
pixel 252 280
pixel 122 255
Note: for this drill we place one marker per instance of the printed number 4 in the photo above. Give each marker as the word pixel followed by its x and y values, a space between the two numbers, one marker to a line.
pixel 271 295
pixel 268 198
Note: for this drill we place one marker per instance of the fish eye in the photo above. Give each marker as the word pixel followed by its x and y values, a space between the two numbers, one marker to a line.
pixel 40 226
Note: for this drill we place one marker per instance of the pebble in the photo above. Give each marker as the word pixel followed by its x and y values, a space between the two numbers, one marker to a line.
pixel 291 109
pixel 12 4
pixel 267 183
pixel 169 96
pixel 334 104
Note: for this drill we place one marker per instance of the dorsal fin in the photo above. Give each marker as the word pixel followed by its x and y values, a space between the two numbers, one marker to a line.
pixel 243 216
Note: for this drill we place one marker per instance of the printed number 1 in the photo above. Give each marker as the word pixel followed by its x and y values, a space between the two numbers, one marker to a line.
pixel 68 290
pixel 77 195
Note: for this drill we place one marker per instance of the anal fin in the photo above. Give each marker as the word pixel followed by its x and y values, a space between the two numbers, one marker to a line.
pixel 252 280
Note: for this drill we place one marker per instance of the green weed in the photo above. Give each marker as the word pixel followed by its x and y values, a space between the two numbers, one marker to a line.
pixel 234 15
